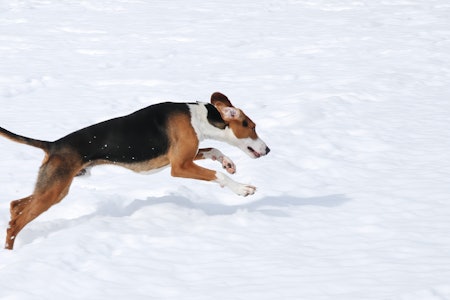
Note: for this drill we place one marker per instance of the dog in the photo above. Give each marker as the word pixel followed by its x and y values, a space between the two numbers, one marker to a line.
pixel 154 137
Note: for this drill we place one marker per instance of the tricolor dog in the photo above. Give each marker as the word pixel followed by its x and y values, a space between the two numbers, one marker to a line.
pixel 151 138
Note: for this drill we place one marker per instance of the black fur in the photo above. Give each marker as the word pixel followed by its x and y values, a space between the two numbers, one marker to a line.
pixel 214 117
pixel 24 140
pixel 134 138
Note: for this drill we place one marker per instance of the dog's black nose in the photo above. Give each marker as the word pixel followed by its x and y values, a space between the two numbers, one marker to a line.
pixel 267 150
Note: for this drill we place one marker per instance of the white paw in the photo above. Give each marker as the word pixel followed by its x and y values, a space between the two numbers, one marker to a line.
pixel 238 188
pixel 228 165
pixel 245 190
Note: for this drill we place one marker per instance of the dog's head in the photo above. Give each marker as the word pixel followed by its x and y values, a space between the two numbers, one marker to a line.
pixel 242 127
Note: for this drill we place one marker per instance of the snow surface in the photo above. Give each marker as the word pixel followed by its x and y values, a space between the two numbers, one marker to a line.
pixel 351 96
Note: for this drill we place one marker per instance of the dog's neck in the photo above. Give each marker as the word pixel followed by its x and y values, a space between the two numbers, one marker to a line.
pixel 208 124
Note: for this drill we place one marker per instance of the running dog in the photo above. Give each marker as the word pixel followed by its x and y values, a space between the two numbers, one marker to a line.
pixel 148 139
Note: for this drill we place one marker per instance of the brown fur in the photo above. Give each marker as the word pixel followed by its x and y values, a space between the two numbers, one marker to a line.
pixel 54 179
pixel 182 154
pixel 241 131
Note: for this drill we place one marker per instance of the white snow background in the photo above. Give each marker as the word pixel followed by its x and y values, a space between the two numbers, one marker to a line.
pixel 352 97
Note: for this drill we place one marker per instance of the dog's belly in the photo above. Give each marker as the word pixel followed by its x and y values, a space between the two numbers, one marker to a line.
pixel 147 167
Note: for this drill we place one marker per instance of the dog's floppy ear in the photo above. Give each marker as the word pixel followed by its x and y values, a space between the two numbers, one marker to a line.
pixel 220 99
pixel 224 106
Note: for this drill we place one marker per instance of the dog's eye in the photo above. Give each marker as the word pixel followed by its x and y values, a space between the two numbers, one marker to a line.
pixel 245 123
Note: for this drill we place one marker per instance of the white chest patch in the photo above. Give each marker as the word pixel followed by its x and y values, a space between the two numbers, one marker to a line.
pixel 199 121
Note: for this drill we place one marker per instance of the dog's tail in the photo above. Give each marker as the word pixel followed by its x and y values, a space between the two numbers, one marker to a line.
pixel 25 140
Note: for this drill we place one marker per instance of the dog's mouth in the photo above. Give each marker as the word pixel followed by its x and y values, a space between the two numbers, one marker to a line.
pixel 255 153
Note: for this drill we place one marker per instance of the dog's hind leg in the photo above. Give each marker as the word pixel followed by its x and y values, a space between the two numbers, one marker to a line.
pixel 53 183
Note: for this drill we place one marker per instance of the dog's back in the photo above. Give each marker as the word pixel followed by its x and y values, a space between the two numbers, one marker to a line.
pixel 134 138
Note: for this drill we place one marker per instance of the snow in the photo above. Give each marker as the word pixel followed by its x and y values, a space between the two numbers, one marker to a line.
pixel 351 97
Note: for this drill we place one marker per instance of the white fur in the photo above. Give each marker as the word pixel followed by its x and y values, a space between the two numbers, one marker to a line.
pixel 205 130
pixel 238 188
pixel 226 162
pixel 230 113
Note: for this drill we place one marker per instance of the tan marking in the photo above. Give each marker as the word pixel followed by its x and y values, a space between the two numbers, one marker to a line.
pixel 45 160
pixel 241 131
pixel 54 179
pixel 143 166
pixel 183 139
pixel 184 149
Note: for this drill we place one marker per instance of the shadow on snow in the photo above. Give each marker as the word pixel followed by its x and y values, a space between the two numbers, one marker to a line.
pixel 269 206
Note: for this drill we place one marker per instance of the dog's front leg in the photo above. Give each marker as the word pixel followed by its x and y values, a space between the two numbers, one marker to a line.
pixel 188 169
pixel 214 154
pixel 227 164
pixel 238 188
pixel 182 154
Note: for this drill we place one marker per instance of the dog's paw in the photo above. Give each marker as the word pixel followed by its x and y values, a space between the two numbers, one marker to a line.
pixel 228 165
pixel 245 190
pixel 236 187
